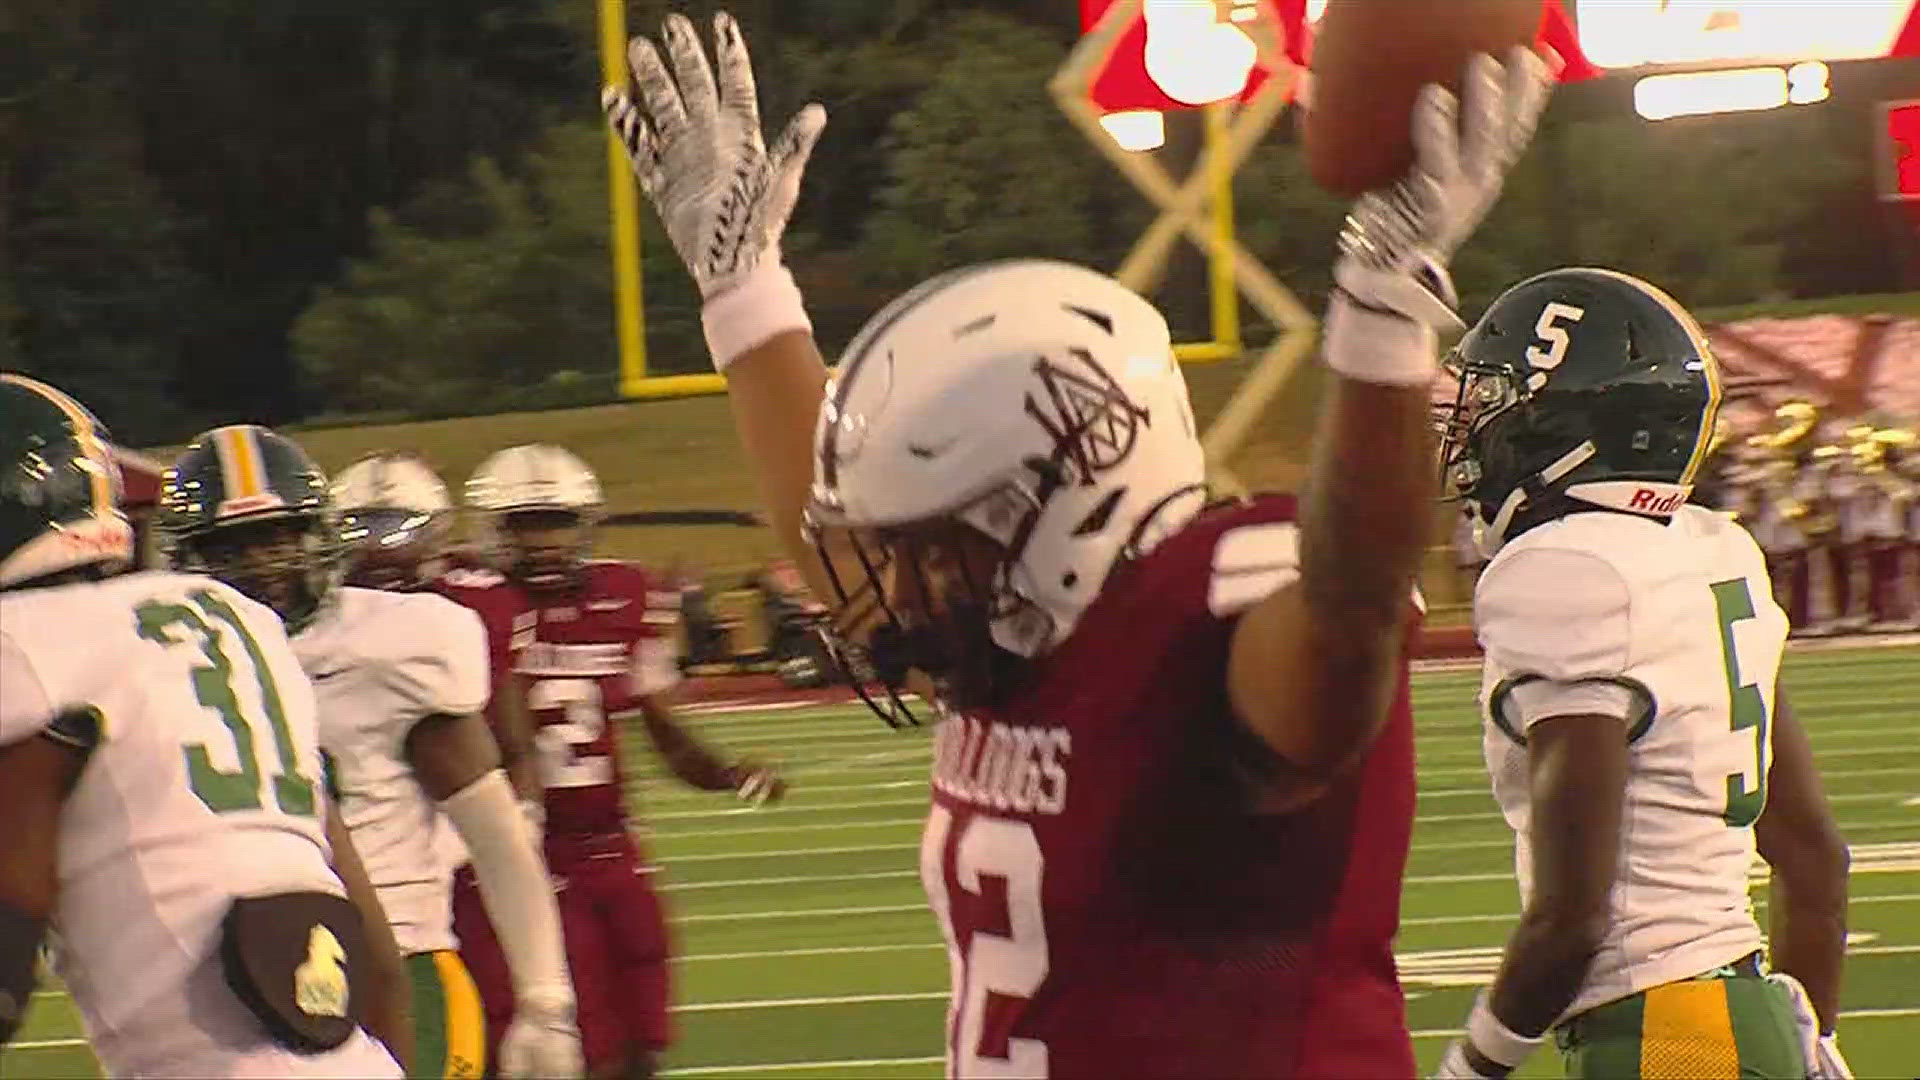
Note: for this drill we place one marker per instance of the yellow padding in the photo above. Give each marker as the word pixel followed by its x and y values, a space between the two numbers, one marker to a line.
pixel 1686 1033
pixel 466 1020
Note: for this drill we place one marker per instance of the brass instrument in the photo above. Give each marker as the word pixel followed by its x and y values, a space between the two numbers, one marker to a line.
pixel 1794 422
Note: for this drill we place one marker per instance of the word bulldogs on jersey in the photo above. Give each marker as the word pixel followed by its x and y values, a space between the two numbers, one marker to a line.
pixel 1022 769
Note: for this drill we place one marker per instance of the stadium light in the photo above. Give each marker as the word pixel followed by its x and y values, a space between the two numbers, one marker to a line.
pixel 1193 55
pixel 1136 130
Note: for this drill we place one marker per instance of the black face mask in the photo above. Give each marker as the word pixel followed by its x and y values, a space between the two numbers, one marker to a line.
pixel 954 649
pixel 272 563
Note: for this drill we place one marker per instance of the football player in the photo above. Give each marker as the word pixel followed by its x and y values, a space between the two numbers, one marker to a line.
pixel 1173 782
pixel 398 521
pixel 396 518
pixel 160 784
pixel 1634 729
pixel 400 678
pixel 584 644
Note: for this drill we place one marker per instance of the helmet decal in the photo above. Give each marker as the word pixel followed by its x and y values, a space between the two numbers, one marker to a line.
pixel 1092 422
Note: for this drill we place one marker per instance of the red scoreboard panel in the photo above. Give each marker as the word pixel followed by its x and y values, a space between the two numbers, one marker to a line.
pixel 1899 138
pixel 1283 32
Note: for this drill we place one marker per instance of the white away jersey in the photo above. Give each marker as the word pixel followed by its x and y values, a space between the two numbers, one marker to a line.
pixel 205 786
pixel 381 662
pixel 1675 628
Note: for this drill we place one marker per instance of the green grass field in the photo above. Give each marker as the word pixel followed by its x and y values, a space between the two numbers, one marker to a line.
pixel 805 949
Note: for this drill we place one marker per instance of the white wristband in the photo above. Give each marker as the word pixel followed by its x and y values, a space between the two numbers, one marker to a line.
pixel 765 304
pixel 1376 347
pixel 1495 1040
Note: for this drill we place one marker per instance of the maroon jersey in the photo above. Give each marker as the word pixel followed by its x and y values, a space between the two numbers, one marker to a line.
pixel 584 657
pixel 1113 905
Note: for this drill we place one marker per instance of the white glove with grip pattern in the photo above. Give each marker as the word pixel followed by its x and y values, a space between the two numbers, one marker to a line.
pixel 543 1040
pixel 1398 241
pixel 696 148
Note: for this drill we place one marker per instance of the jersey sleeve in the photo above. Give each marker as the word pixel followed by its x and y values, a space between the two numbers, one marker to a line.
pixel 25 708
pixel 1556 625
pixel 656 668
pixel 446 673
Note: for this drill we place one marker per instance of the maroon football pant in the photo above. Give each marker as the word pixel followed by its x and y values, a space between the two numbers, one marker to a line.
pixel 617 949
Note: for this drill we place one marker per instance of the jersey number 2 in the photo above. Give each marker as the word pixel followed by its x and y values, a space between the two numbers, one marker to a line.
pixel 1013 966
pixel 583 720
pixel 1733 601
pixel 226 792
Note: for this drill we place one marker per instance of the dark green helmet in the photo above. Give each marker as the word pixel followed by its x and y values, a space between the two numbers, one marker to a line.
pixel 59 487
pixel 248 506
pixel 1578 389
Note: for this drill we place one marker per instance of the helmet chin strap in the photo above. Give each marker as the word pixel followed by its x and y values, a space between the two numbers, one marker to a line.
pixel 1489 537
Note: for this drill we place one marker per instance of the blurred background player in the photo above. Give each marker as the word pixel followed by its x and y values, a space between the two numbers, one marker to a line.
pixel 397 521
pixel 160 781
pixel 583 645
pixel 1886 602
pixel 1173 775
pixel 1634 732
pixel 400 679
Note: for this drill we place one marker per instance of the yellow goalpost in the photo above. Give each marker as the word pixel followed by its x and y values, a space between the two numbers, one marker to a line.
pixel 1199 209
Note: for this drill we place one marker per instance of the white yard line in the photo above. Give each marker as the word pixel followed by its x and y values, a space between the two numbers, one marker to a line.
pixel 802 1066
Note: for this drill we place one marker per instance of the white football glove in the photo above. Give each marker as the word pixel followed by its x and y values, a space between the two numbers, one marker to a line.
pixel 1454 1065
pixel 696 148
pixel 1822 1052
pixel 756 785
pixel 542 1041
pixel 1827 1062
pixel 1398 241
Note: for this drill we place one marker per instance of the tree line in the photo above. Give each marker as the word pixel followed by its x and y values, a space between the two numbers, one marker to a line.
pixel 283 209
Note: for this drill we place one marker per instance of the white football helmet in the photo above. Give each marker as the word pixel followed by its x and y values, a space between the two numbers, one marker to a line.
pixel 531 479
pixel 395 517
pixel 1034 401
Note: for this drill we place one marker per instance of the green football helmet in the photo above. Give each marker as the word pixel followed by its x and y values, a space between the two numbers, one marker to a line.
pixel 59 487
pixel 248 506
pixel 1579 389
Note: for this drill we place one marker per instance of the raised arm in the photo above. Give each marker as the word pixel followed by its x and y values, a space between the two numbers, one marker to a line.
pixel 724 198
pixel 1316 666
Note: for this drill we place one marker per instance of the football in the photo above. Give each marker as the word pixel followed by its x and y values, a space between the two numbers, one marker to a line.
pixel 1370 59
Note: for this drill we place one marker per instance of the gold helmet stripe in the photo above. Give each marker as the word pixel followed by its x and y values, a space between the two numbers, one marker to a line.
pixel 99 465
pixel 1710 364
pixel 242 467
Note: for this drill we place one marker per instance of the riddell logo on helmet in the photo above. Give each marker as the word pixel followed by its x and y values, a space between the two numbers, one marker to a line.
pixel 1649 501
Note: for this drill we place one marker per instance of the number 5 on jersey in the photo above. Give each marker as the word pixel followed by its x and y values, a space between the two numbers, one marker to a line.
pixel 1747 706
pixel 986 964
